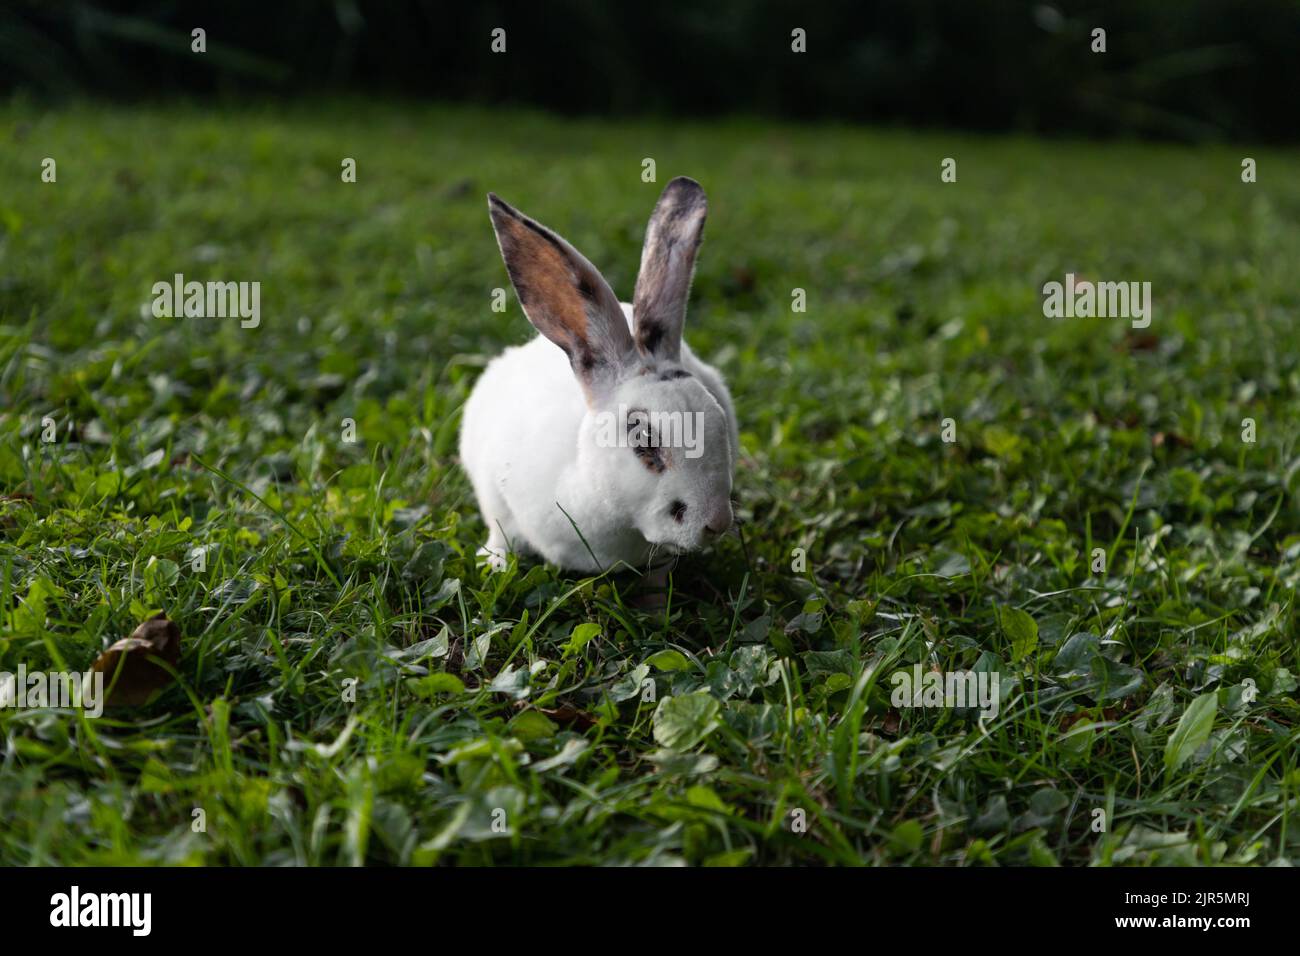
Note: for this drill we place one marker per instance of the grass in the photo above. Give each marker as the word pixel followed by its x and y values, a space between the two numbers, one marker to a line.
pixel 353 689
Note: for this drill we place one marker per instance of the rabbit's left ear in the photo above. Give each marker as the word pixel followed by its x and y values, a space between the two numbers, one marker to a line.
pixel 564 296
pixel 667 264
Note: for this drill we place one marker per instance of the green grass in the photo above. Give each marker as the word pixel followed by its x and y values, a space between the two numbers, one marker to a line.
pixel 483 699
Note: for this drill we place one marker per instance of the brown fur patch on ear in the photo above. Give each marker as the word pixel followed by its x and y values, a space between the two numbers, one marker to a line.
pixel 563 295
pixel 554 297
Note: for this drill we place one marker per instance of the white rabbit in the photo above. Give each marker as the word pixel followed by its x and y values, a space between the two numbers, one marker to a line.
pixel 619 444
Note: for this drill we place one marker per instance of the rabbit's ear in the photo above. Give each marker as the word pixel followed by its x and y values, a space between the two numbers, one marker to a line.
pixel 667 263
pixel 564 297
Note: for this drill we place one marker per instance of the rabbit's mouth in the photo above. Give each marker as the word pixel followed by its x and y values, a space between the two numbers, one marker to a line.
pixel 667 547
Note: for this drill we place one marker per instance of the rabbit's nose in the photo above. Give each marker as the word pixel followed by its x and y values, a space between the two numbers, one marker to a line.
pixel 719 519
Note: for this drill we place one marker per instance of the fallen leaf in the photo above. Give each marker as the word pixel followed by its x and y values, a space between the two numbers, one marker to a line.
pixel 127 669
pixel 1141 341
pixel 1172 439
pixel 570 716
pixel 743 279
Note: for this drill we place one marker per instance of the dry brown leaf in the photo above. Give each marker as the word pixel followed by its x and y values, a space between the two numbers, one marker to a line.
pixel 567 715
pixel 126 666
pixel 1173 439
pixel 1141 341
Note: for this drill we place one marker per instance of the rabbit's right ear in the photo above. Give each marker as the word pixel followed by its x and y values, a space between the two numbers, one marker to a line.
pixel 667 263
pixel 564 296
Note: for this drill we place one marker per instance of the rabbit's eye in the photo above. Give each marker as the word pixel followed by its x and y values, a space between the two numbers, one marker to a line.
pixel 650 457
pixel 638 428
pixel 641 440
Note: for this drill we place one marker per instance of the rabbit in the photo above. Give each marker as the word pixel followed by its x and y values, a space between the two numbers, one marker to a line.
pixel 603 441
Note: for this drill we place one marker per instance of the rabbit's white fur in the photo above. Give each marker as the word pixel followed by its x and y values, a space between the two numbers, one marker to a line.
pixel 535 431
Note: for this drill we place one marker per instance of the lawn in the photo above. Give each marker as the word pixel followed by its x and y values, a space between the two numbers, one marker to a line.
pixel 353 689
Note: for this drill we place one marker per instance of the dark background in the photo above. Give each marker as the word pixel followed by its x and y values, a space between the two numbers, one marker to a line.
pixel 1192 70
